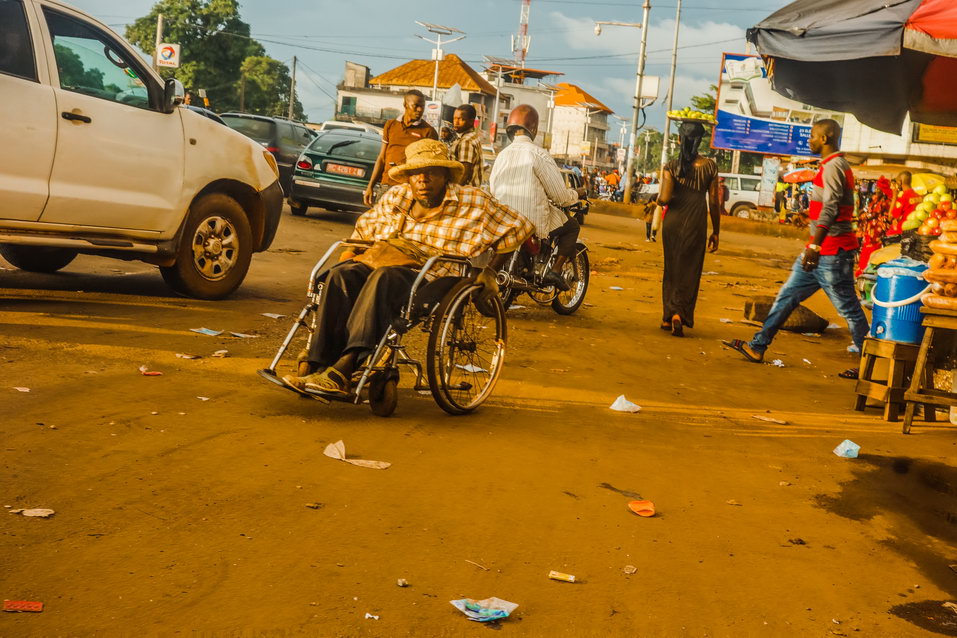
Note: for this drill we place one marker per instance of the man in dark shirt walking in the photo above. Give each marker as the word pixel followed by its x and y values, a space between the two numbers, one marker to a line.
pixel 827 262
pixel 396 135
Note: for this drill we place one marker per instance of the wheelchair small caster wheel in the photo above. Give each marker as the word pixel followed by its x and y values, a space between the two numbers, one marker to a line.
pixel 383 394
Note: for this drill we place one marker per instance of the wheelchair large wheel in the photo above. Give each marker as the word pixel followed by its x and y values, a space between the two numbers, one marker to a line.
pixel 576 272
pixel 466 349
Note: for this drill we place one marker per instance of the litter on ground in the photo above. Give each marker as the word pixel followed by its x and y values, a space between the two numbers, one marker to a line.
pixel 22 606
pixel 20 389
pixel 847 449
pixel 146 372
pixel 485 610
pixel 644 509
pixel 337 451
pixel 768 419
pixel 272 315
pixel 622 404
pixel 206 331
pixel 34 513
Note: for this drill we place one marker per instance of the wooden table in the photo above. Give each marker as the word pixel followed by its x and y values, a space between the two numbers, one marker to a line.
pixel 901 359
pixel 940 326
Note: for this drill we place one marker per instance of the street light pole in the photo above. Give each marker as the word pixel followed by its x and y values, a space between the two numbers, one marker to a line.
pixel 439 31
pixel 633 136
pixel 666 135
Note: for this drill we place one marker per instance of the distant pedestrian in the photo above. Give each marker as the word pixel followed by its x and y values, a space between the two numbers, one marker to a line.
pixel 396 135
pixel 467 147
pixel 689 189
pixel 827 262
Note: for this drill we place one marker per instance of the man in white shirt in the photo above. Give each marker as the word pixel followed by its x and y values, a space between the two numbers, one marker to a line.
pixel 526 178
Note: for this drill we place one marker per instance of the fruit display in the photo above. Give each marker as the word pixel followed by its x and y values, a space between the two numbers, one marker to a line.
pixel 938 206
pixel 942 267
pixel 689 113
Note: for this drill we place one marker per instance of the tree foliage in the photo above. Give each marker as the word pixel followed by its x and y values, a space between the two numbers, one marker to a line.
pixel 215 44
pixel 266 87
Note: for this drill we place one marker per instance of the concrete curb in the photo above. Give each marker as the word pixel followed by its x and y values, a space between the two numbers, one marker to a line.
pixel 735 224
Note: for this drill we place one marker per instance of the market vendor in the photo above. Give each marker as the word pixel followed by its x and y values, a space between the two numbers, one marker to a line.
pixel 905 203
pixel 874 222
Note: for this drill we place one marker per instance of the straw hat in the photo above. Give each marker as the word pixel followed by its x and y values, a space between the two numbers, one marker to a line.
pixel 425 154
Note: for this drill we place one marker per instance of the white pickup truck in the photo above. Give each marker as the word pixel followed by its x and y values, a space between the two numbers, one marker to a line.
pixel 98 158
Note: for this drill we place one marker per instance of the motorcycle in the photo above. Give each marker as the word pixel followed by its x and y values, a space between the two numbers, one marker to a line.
pixel 525 270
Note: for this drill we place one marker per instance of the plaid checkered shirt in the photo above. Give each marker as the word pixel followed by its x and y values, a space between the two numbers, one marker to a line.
pixel 468 223
pixel 468 148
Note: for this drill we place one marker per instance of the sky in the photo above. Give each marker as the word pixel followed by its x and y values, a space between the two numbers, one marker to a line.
pixel 323 34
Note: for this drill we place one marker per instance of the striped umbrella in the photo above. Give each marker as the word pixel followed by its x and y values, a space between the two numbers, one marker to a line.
pixel 878 59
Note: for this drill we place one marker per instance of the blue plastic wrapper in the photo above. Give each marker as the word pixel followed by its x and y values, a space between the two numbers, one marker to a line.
pixel 847 449
pixel 484 610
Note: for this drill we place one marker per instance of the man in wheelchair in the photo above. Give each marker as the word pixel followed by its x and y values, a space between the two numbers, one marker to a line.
pixel 427 215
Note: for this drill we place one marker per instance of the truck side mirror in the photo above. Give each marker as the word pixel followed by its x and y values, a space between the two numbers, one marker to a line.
pixel 173 95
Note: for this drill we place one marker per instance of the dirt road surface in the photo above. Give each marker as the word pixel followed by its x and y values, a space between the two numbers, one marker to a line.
pixel 178 516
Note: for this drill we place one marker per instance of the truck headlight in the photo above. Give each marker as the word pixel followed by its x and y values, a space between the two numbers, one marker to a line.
pixel 272 163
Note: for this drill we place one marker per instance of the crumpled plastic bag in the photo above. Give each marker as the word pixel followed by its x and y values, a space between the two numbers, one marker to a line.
pixel 622 404
pixel 485 610
pixel 337 451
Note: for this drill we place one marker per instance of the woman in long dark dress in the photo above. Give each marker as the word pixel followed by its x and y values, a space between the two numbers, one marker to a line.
pixel 688 184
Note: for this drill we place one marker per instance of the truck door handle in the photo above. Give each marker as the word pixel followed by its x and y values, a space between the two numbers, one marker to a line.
pixel 76 117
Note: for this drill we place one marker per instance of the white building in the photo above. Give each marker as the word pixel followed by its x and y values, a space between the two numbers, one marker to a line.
pixel 579 128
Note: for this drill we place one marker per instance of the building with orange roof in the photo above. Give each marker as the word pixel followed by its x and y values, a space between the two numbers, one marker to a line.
pixel 378 99
pixel 580 126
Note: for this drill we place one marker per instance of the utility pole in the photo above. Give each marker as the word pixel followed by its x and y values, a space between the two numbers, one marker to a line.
pixel 665 140
pixel 242 92
pixel 439 31
pixel 493 129
pixel 292 89
pixel 159 41
pixel 633 135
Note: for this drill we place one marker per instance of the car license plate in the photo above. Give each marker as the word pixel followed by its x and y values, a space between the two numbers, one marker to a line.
pixel 351 171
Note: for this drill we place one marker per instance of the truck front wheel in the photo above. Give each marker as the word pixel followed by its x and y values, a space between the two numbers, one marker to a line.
pixel 214 250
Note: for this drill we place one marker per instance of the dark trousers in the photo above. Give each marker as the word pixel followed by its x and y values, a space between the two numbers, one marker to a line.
pixel 358 306
pixel 565 237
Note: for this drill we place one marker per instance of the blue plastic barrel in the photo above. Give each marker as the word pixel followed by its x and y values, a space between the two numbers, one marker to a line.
pixel 896 297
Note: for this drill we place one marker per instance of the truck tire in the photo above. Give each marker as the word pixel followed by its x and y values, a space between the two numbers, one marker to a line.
pixel 214 250
pixel 740 207
pixel 298 210
pixel 37 258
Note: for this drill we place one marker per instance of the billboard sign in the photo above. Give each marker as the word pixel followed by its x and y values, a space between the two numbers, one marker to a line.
pixel 750 116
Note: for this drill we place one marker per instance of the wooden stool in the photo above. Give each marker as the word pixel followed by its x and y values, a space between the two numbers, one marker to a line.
pixel 901 358
pixel 937 324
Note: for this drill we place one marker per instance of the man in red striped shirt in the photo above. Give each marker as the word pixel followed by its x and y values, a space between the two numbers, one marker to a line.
pixel 827 262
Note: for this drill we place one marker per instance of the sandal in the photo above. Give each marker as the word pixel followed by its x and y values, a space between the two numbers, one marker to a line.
pixel 677 327
pixel 665 325
pixel 330 381
pixel 295 384
pixel 850 373
pixel 743 347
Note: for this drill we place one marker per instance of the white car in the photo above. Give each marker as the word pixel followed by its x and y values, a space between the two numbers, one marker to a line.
pixel 98 158
pixel 743 192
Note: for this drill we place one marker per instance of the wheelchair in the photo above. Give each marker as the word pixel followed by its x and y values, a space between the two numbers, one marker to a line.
pixel 466 341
